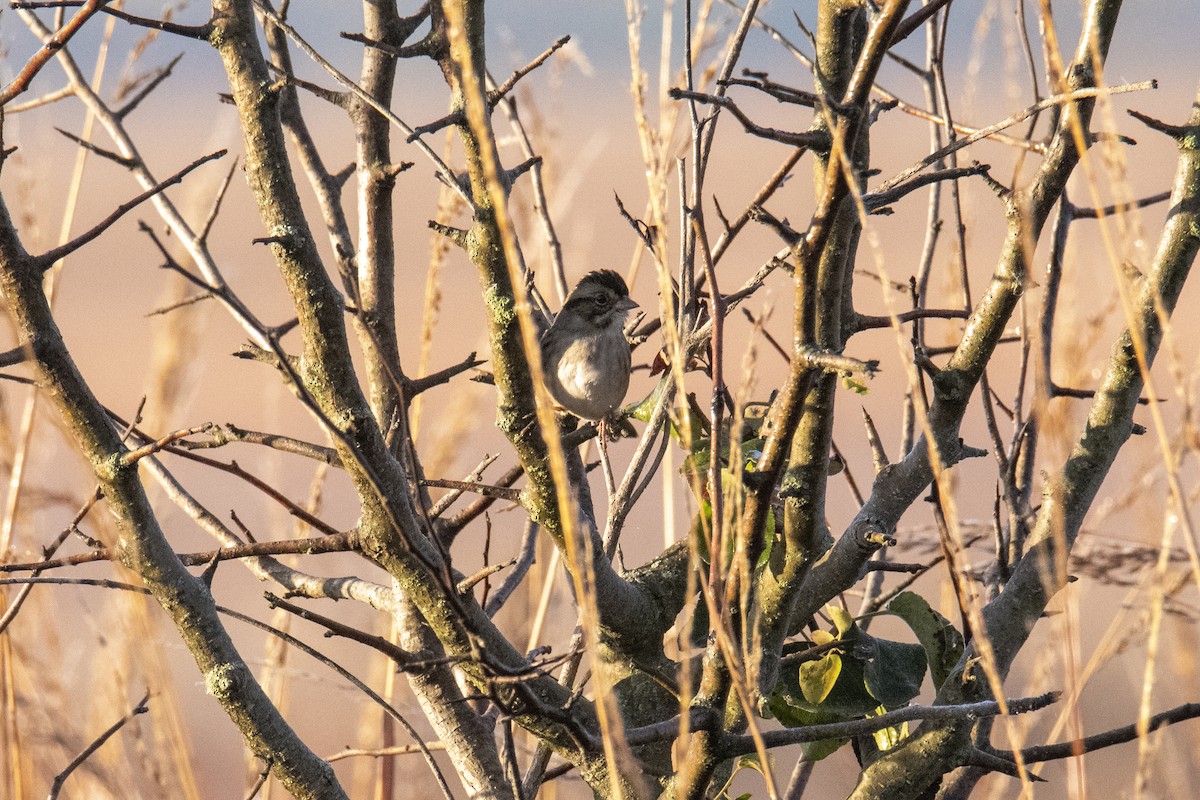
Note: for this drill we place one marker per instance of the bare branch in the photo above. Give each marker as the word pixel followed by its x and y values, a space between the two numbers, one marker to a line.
pixel 499 492
pixel 1020 116
pixel 503 89
pixel 734 745
pixel 199 32
pixel 235 469
pixel 398 655
pixel 878 454
pixel 1108 211
pixel 86 753
pixel 867 322
pixel 116 158
pixel 466 584
pixel 784 94
pixel 49 49
pixel 362 687
pixel 47 259
pixel 1128 733
pixel 813 139
pixel 878 200
pixel 916 19
pixel 17 355
pixel 133 456
pixel 160 75
pixel 521 564
pixel 384 752
pixel 221 435
pixel 445 174
pixel 337 543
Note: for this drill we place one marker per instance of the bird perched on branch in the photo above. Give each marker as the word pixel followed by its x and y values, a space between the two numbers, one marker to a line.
pixel 585 356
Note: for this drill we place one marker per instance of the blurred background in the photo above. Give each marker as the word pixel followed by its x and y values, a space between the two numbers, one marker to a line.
pixel 78 657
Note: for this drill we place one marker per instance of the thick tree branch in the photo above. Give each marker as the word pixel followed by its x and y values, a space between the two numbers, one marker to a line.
pixel 143 546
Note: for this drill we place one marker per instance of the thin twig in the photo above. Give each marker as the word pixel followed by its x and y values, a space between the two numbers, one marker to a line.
pixel 86 753
pixel 384 752
pixel 338 668
pixel 445 174
pixel 50 47
pixel 983 133
pixel 501 91
pixel 1128 733
pixel 794 138
pixel 525 559
pixel 47 259
pixel 500 492
pixel 337 543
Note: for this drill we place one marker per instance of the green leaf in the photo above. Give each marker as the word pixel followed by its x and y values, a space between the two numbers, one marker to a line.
pixel 818 677
pixel 849 698
pixel 893 671
pixel 749 449
pixel 769 534
pixel 888 738
pixel 854 385
pixel 942 642
pixel 696 463
pixel 794 716
pixel 702 525
pixel 822 637
pixel 699 632
pixel 752 451
pixel 843 620
pixel 815 751
pixel 791 715
pixel 645 408
pixel 749 761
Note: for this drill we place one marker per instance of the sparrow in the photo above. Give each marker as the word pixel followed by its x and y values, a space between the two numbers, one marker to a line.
pixel 585 356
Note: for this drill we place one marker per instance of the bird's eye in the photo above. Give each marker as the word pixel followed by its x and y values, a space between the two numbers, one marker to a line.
pixel 601 300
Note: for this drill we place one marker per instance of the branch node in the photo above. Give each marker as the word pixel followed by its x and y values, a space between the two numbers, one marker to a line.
pixel 495 96
pixel 457 235
pixel 1187 136
pixel 967 451
pixel 790 236
pixel 878 454
pixel 466 584
pixel 837 363
pixel 128 163
pixel 510 176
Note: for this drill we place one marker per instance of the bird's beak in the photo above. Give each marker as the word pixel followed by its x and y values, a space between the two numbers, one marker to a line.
pixel 626 305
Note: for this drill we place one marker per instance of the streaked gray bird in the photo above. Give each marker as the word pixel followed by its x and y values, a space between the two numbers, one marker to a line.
pixel 585 356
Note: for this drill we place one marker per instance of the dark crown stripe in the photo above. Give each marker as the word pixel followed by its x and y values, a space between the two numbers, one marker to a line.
pixel 608 279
